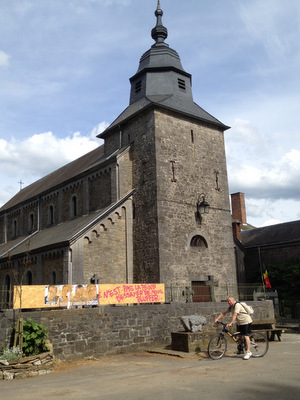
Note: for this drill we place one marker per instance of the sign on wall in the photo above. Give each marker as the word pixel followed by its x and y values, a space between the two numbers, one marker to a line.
pixel 41 296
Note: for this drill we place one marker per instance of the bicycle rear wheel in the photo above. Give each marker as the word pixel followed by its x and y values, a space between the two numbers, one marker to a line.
pixel 259 344
pixel 217 347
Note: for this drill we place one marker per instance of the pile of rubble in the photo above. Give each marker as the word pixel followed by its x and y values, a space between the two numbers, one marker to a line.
pixel 25 367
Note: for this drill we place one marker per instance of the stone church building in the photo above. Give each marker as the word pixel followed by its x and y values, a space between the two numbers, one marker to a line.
pixel 150 205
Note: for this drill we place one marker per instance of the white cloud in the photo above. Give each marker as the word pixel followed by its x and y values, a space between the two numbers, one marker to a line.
pixel 99 129
pixel 269 212
pixel 244 57
pixel 262 165
pixel 4 59
pixel 34 157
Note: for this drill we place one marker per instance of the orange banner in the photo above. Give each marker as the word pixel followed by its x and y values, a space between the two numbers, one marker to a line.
pixel 132 293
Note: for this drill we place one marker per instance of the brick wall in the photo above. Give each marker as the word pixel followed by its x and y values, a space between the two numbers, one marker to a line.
pixel 79 333
pixel 238 207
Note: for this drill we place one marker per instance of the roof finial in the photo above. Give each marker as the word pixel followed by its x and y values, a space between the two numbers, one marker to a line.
pixel 159 33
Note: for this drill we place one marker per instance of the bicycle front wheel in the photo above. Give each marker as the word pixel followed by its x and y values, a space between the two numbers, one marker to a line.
pixel 217 347
pixel 259 344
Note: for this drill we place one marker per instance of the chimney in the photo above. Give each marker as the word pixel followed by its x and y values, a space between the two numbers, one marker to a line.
pixel 238 207
pixel 236 230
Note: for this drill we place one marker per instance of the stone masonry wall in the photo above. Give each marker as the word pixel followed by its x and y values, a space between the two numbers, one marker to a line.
pixel 78 333
pixel 105 250
pixel 199 166
pixel 144 182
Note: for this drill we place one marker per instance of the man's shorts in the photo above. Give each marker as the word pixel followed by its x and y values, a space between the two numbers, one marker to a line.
pixel 245 330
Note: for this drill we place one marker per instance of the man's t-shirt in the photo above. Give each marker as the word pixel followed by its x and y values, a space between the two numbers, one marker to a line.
pixel 242 317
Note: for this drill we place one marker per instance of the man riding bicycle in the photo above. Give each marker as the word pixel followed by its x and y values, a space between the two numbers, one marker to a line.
pixel 243 320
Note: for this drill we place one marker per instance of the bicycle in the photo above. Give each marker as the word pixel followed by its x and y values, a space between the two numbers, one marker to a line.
pixel 217 346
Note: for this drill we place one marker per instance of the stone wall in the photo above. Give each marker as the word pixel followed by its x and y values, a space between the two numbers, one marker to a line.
pixel 78 333
pixel 199 166
pixel 27 367
pixel 105 250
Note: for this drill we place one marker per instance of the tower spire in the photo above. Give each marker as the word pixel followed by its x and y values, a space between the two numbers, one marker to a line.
pixel 159 33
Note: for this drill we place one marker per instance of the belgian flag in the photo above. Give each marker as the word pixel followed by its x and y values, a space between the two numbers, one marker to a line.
pixel 267 280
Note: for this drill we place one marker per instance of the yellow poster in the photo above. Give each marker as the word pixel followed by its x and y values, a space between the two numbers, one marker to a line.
pixel 68 296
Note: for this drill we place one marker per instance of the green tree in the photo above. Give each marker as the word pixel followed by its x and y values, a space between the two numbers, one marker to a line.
pixel 285 278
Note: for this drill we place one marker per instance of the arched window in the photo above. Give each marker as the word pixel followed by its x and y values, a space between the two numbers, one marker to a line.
pixel 7 281
pixel 14 233
pixel 7 289
pixel 31 222
pixel 198 242
pixel 53 278
pixel 28 278
pixel 51 215
pixel 74 206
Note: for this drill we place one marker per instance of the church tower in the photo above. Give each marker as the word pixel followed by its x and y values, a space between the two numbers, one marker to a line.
pixel 182 232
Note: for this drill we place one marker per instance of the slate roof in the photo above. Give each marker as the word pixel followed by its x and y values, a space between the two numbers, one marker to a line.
pixel 58 177
pixel 287 232
pixel 170 102
pixel 161 60
pixel 58 235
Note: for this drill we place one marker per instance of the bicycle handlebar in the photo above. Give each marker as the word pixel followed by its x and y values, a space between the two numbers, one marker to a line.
pixel 221 323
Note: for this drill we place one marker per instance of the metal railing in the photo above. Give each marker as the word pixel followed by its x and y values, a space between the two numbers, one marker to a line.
pixel 184 294
pixel 203 293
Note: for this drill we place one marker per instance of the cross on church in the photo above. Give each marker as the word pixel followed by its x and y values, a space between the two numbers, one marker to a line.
pixel 21 183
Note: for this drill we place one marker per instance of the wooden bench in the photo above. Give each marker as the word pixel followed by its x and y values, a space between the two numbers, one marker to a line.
pixel 267 326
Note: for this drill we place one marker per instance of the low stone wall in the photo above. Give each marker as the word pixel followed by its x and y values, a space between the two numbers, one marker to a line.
pixel 27 367
pixel 79 333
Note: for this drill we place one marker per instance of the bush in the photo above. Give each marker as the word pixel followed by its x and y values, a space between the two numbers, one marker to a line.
pixel 11 354
pixel 34 338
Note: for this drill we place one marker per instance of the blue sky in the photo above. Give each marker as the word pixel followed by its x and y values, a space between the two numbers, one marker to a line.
pixel 64 76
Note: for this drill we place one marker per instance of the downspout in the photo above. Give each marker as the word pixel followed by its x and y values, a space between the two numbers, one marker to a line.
pixel 120 143
pixel 38 215
pixel 70 272
pixel 5 227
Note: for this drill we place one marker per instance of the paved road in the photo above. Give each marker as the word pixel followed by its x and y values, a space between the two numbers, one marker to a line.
pixel 150 376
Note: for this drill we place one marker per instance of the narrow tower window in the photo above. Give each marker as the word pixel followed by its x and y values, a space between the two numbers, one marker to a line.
pixel 181 84
pixel 192 136
pixel 138 87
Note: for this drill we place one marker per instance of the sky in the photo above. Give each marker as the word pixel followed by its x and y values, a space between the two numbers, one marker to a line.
pixel 64 76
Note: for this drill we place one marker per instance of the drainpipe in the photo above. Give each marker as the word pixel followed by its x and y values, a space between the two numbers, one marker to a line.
pixel 38 215
pixel 70 272
pixel 5 227
pixel 120 144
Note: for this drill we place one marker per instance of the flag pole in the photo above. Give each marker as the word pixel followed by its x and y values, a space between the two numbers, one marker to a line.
pixel 261 270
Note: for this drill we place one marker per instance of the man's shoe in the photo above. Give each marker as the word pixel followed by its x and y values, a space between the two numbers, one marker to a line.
pixel 247 355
